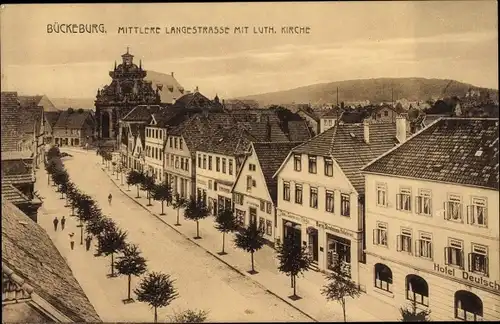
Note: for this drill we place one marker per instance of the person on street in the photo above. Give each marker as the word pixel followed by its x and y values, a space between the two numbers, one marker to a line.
pixel 72 240
pixel 88 241
pixel 109 199
pixel 63 222
pixel 55 222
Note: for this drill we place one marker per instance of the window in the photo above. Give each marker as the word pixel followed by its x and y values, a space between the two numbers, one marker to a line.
pixel 251 167
pixel 286 190
pixel 161 154
pixel 269 227
pixel 404 240
pixel 312 164
pixel 249 182
pixel 453 208
pixel 454 253
pixel 240 217
pixel 167 159
pixel 423 202
pixel 380 234
pixel 262 224
pixel 268 207
pixel 176 162
pixel 328 167
pixel 230 167
pixel 313 198
pixel 383 277
pixel 345 209
pixel 172 160
pixel 254 184
pixel 199 161
pixel 262 205
pixel 478 259
pixel 329 199
pixel 187 164
pixel 217 164
pixel 180 143
pixel 386 113
pixel 215 185
pixel 171 141
pixel 182 163
pixel 298 194
pixel 476 213
pixel 238 199
pixel 468 306
pixel 175 142
pixel 423 246
pixel 204 161
pixel 381 194
pixel 297 165
pixel 223 165
pixel 417 290
pixel 210 184
pixel 403 199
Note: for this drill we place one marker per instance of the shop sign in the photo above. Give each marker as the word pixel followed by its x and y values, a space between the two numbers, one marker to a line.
pixel 224 188
pixel 334 228
pixel 201 182
pixel 465 275
pixel 302 219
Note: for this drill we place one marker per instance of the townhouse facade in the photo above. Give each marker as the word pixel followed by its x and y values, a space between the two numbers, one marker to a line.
pixel 179 165
pixel 73 128
pixel 328 119
pixel 432 226
pixel 321 192
pixel 255 189
pixel 153 151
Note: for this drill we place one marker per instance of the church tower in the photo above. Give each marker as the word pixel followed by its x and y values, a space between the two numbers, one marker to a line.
pixel 126 90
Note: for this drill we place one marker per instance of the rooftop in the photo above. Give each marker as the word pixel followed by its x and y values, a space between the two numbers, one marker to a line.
pixel 462 151
pixel 73 119
pixel 10 121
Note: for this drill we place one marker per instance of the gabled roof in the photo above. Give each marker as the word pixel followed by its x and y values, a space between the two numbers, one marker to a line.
pixel 168 87
pixel 462 151
pixel 142 113
pixel 271 155
pixel 31 117
pixel 298 131
pixel 345 143
pixel 51 117
pixel 430 118
pixel 197 101
pixel 38 100
pixel 72 119
pixel 30 253
pixel 11 121
pixel 12 194
pixel 229 141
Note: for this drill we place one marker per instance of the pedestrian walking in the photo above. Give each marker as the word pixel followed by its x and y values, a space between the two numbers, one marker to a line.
pixel 109 199
pixel 72 240
pixel 88 241
pixel 63 222
pixel 55 222
pixel 87 146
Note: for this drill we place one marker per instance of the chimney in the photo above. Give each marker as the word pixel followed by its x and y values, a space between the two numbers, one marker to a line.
pixel 366 131
pixel 172 73
pixel 173 100
pixel 401 125
pixel 196 89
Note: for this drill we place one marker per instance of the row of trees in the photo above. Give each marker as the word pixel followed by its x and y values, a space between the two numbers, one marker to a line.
pixel 157 289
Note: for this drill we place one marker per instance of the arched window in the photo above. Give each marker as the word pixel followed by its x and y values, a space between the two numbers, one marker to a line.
pixel 417 290
pixel 383 277
pixel 468 306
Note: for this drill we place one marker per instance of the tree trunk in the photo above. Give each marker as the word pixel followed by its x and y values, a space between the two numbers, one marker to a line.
pixel 62 194
pixel 156 315
pixel 48 178
pixel 178 216
pixel 81 232
pixel 253 269
pixel 138 193
pixel 162 208
pixel 223 239
pixel 197 229
pixel 112 263
pixel 129 278
pixel 294 287
pixel 343 309
pixel 291 281
pixel 149 199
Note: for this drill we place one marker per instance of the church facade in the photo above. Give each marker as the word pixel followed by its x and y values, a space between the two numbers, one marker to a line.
pixel 127 90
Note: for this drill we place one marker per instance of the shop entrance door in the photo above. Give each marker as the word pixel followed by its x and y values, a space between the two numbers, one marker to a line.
pixel 313 243
pixel 253 215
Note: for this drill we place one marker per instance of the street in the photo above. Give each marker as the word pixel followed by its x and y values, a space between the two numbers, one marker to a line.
pixel 202 281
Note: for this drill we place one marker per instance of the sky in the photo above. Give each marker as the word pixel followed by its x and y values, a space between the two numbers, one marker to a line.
pixel 347 40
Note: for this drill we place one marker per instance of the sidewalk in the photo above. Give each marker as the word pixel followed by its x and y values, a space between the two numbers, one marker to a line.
pixel 312 304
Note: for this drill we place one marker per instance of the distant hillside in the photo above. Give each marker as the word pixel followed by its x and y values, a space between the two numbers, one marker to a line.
pixel 374 90
pixel 65 103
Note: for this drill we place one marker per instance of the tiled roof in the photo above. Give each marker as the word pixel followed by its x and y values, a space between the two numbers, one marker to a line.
pixel 197 101
pixel 51 117
pixel 334 112
pixel 298 131
pixel 230 141
pixel 169 88
pixel 12 194
pixel 142 113
pixel 10 121
pixel 430 118
pixel 447 151
pixel 72 120
pixel 31 117
pixel 17 179
pixel 353 116
pixel 17 155
pixel 30 253
pixel 271 155
pixel 345 143
pixel 30 100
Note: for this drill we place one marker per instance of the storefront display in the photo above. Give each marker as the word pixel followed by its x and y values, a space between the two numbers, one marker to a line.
pixel 338 249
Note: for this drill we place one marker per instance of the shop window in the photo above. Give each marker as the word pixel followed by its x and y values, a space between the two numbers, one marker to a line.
pixel 77 142
pixel 240 217
pixel 380 234
pixel 339 250
pixel 403 199
pixel 312 164
pixel 313 198
pixel 297 163
pixel 454 253
pixel 269 227
pixel 345 208
pixel 417 290
pixel 383 277
pixel 478 259
pixel 286 190
pixel 404 240
pixel 298 194
pixel 424 246
pixel 328 167
pixel 423 202
pixel 468 306
pixel 381 194
pixel 476 212
pixel 453 208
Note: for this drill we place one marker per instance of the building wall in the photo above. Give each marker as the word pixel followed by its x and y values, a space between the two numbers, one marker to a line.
pixel 443 280
pixel 175 155
pixel 154 154
pixel 326 123
pixel 384 115
pixel 325 222
pixel 257 197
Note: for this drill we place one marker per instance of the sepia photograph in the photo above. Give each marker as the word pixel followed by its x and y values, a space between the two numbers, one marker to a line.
pixel 328 161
